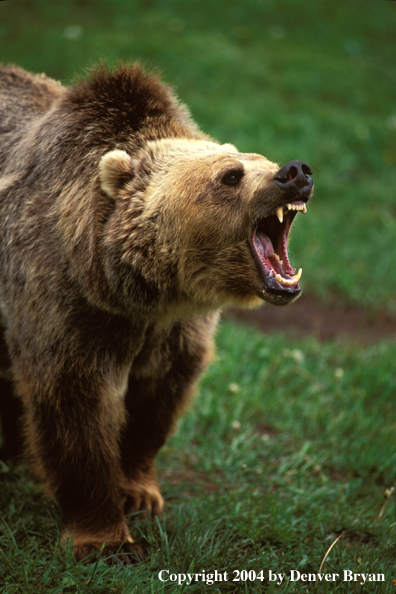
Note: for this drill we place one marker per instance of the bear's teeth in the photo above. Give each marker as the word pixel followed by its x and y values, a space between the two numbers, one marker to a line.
pixel 279 213
pixel 281 210
pixel 278 258
pixel 298 275
pixel 294 206
pixel 286 281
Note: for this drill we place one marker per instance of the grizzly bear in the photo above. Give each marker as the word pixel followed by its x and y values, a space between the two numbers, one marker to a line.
pixel 124 231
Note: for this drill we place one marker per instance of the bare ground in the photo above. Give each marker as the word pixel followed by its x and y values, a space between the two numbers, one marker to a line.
pixel 310 316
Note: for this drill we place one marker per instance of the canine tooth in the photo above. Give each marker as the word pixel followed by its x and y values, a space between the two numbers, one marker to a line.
pixel 304 208
pixel 279 214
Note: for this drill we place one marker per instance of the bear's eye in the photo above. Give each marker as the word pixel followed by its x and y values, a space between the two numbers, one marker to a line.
pixel 232 178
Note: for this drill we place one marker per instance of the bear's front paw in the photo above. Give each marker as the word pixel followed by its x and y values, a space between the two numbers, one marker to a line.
pixel 114 553
pixel 143 496
pixel 115 545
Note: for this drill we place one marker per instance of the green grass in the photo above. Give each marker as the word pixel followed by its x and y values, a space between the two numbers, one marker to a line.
pixel 288 79
pixel 286 446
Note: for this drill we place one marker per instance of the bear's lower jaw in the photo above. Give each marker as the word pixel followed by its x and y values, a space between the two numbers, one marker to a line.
pixel 280 297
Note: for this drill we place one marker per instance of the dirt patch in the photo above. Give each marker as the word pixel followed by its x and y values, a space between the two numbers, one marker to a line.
pixel 310 316
pixel 266 430
pixel 352 537
pixel 186 482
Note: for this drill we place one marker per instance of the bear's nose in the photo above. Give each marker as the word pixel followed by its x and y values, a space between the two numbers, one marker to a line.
pixel 295 175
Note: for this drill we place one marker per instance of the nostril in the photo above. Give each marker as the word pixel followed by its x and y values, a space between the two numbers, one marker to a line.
pixel 295 174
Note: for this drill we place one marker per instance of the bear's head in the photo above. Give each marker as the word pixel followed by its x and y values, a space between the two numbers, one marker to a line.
pixel 205 223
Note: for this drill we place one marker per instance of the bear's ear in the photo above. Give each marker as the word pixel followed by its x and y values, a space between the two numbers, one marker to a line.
pixel 116 168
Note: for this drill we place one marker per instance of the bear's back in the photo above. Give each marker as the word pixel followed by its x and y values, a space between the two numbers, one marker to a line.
pixel 23 97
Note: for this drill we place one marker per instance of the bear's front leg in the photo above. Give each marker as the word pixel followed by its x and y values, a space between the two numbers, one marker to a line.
pixel 73 421
pixel 160 384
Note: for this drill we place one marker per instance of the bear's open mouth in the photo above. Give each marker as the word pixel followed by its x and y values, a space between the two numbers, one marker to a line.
pixel 269 246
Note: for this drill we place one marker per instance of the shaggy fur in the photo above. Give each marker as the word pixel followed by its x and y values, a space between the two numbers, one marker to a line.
pixel 119 242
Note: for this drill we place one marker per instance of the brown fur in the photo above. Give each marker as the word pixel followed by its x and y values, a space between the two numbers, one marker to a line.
pixel 119 243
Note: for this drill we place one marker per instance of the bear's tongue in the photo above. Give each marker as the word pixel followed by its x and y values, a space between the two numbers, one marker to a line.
pixel 272 256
